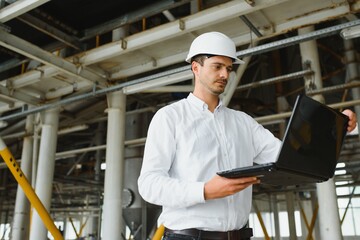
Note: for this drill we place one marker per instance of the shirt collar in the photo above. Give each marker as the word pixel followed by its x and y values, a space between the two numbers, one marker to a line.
pixel 200 103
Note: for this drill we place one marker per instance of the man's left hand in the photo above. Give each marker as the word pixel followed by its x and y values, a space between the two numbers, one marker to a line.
pixel 352 119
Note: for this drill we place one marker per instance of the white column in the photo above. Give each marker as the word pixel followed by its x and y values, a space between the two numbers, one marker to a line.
pixel 20 226
pixel 330 227
pixel 112 209
pixel 45 172
pixel 309 54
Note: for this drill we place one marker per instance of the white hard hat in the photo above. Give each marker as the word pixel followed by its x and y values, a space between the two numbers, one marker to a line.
pixel 213 43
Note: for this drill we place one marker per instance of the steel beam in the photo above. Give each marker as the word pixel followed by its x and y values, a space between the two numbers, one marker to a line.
pixel 14 96
pixel 173 29
pixel 51 31
pixel 19 7
pixel 27 49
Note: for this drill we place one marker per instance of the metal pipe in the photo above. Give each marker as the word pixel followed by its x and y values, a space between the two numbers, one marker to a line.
pixel 283 115
pixel 60 132
pixel 290 207
pixel 235 80
pixel 275 210
pixel 250 25
pixel 325 32
pixel 66 154
pixel 168 15
pixel 338 87
pixel 273 80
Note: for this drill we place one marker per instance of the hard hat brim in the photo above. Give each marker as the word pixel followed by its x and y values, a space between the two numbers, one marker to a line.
pixel 236 60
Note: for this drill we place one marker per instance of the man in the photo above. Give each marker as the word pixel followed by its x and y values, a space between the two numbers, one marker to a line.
pixel 190 140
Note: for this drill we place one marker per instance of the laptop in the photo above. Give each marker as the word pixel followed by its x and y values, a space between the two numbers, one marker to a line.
pixel 310 149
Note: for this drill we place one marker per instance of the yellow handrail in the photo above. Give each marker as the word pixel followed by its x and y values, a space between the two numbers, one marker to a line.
pixel 159 233
pixel 28 190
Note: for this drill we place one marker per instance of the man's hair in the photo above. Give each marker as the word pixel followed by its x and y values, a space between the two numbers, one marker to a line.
pixel 200 58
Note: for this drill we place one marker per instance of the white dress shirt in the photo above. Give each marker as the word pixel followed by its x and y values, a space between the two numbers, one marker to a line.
pixel 186 145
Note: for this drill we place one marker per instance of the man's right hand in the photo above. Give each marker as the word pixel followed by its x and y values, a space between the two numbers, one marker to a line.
pixel 219 187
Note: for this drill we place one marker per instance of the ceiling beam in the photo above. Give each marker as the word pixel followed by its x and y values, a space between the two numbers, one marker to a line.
pixel 34 52
pixel 137 15
pixel 51 31
pixel 271 30
pixel 19 7
pixel 14 96
pixel 207 17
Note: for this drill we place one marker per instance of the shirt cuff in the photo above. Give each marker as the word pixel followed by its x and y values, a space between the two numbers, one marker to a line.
pixel 198 190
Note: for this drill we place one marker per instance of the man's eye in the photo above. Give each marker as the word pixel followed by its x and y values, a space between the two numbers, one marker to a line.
pixel 217 67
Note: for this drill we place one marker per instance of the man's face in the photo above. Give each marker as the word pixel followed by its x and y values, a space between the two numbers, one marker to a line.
pixel 213 75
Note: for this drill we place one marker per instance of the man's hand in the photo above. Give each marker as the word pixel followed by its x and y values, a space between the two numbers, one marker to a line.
pixel 219 187
pixel 352 119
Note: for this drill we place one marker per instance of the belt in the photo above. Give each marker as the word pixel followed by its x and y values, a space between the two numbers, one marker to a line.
pixel 244 233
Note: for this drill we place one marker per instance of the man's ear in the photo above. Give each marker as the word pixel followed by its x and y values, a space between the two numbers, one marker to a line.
pixel 194 67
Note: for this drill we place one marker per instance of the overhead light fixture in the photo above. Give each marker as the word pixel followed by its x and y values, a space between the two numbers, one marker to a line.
pixel 103 166
pixel 340 172
pixel 351 32
pixel 340 165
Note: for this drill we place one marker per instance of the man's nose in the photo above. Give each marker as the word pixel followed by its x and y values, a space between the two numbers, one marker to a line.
pixel 224 74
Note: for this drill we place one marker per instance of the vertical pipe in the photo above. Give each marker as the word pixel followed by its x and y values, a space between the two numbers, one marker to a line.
pixel 328 208
pixel 65 226
pixel 45 172
pixel 234 80
pixel 195 6
pixel 20 227
pixel 94 220
pixel 113 224
pixel 274 204
pixel 99 153
pixel 291 215
pixel 35 152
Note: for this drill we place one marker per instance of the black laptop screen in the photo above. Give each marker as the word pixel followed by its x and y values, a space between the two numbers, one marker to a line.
pixel 314 138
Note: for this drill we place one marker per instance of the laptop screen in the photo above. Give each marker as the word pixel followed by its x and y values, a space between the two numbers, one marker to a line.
pixel 313 138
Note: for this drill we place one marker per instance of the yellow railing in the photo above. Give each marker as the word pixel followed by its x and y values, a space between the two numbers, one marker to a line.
pixel 29 191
